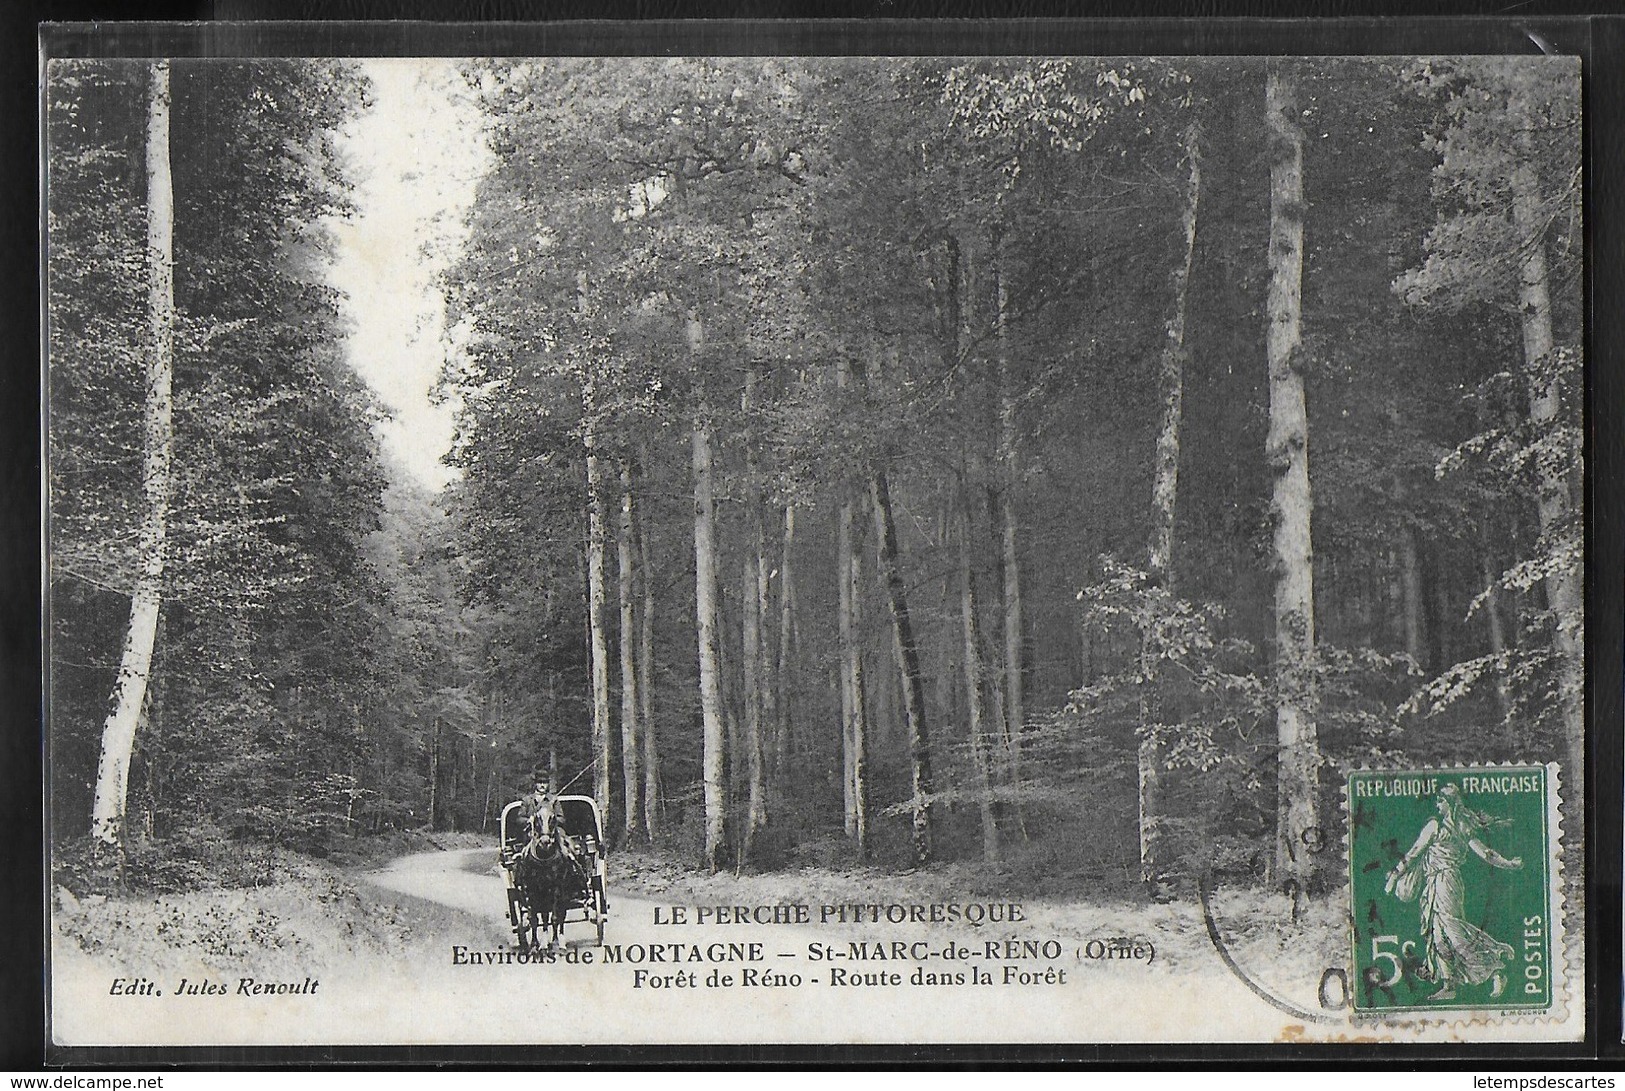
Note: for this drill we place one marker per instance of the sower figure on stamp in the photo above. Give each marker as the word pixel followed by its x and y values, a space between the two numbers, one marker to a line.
pixel 1457 952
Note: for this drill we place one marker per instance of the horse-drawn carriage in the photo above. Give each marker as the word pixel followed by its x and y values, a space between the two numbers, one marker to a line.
pixel 554 876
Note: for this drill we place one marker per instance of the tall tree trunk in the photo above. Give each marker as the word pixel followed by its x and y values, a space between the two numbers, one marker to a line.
pixel 1165 489
pixel 750 626
pixel 1014 718
pixel 490 790
pixel 652 801
pixel 1435 608
pixel 434 772
pixel 860 703
pixel 734 827
pixel 596 521
pixel 767 715
pixel 1149 755
pixel 907 655
pixel 1564 587
pixel 1287 453
pixel 753 650
pixel 781 733
pixel 905 649
pixel 1171 375
pixel 157 448
pixel 843 626
pixel 973 687
pixel 150 717
pixel 1410 582
pixel 967 300
pixel 714 759
pixel 850 565
pixel 630 743
pixel 858 729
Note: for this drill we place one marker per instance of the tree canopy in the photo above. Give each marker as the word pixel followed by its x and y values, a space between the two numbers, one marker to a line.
pixel 1071 464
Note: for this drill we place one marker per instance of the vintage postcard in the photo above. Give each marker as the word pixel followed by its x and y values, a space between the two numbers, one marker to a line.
pixel 813 550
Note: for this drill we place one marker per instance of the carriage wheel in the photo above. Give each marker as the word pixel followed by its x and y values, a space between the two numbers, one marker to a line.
pixel 516 916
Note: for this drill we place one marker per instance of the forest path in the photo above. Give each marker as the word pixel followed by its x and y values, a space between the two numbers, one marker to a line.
pixel 455 879
pixel 471 881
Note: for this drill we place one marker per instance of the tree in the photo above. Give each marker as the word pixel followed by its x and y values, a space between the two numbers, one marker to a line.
pixel 269 472
pixel 277 469
pixel 1165 475
pixel 906 651
pixel 1506 185
pixel 1291 505
pixel 130 691
pixel 631 742
pixel 1009 476
pixel 597 539
pixel 705 607
pixel 924 309
pixel 974 686
pixel 653 803
pixel 854 714
pixel 756 680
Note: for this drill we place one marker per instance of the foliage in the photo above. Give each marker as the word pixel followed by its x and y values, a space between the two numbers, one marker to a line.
pixel 954 275
pixel 1506 184
pixel 258 685
pixel 1180 671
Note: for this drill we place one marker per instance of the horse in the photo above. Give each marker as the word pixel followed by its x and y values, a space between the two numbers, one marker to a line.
pixel 550 879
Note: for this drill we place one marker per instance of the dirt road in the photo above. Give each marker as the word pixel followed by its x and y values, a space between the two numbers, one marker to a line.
pixel 466 879
pixel 470 881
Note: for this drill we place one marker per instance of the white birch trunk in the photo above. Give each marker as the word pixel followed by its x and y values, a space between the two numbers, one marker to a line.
pixel 135 664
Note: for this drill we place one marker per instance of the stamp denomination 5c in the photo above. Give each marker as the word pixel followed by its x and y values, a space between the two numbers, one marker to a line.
pixel 1453 889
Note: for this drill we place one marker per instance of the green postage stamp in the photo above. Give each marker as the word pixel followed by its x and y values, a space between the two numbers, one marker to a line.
pixel 1453 885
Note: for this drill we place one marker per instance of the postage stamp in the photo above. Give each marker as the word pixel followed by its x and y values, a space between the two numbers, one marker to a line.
pixel 1453 887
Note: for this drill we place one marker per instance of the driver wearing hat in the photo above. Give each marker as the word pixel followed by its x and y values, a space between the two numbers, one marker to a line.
pixel 540 807
pixel 540 803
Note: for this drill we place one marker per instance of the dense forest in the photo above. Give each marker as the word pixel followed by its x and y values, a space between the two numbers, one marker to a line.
pixel 1072 465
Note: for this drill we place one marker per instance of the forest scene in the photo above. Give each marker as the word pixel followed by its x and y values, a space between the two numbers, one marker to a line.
pixel 1064 471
